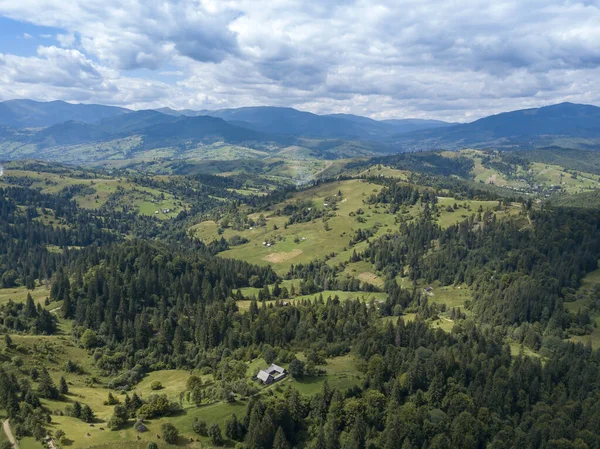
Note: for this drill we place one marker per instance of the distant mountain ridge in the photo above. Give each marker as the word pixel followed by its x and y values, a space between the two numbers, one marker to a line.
pixel 535 127
pixel 59 130
pixel 35 114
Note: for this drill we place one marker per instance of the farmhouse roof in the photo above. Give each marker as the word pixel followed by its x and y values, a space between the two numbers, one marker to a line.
pixel 275 368
pixel 263 375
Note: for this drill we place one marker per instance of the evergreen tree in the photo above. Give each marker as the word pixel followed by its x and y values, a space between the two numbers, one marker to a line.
pixel 214 433
pixel 280 441
pixel 46 387
pixel 63 388
pixel 87 415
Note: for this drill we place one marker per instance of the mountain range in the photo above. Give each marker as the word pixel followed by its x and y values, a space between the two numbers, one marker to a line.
pixel 81 132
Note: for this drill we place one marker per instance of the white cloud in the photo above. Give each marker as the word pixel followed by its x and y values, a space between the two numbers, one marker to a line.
pixel 66 40
pixel 387 58
pixel 57 73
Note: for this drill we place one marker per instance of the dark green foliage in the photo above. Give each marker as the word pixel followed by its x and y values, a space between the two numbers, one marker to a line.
pixel 234 430
pixel 112 400
pixel 119 417
pixel 586 200
pixel 280 441
pixel 199 427
pixel 156 406
pixel 46 388
pixel 296 369
pixel 27 318
pixel 214 433
pixel 63 388
pixel 86 414
pixel 169 432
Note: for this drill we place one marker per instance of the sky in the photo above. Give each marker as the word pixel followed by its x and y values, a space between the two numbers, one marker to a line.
pixel 454 60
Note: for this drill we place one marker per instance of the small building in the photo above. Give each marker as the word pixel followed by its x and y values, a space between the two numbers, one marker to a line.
pixel 429 289
pixel 272 374
pixel 140 426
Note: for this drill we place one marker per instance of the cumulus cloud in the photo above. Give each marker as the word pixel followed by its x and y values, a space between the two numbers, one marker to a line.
pixel 58 73
pixel 386 58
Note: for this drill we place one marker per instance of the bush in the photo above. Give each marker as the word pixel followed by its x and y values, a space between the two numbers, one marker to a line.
pixel 59 435
pixel 199 427
pixel 156 385
pixel 238 240
pixel 152 445
pixel 170 433
pixel 157 406
pixel 88 340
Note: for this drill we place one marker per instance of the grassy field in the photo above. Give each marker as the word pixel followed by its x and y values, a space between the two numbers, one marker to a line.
pixel 19 294
pixel 556 175
pixel 315 242
pixel 145 199
pixel 305 242
pixel 385 171
pixel 362 271
pixel 467 208
pixel 538 173
pixel 452 296
pixel 342 296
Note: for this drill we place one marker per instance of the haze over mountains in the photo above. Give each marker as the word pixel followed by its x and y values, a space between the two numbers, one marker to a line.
pixel 37 129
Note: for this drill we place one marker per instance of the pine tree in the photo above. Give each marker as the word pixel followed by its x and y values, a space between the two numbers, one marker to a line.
pixel 119 417
pixel 63 388
pixel 46 387
pixel 30 311
pixel 76 410
pixel 87 415
pixel 233 428
pixel 280 441
pixel 214 433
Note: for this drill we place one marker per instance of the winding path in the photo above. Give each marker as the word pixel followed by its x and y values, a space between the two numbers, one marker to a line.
pixel 9 434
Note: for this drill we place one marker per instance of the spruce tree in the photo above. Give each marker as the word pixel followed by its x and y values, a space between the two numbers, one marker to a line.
pixel 280 441
pixel 63 388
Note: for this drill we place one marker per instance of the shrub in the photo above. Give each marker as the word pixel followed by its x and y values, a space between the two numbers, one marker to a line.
pixel 170 433
pixel 199 427
pixel 88 340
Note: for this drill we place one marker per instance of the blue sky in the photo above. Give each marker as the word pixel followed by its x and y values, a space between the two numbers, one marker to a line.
pixel 22 38
pixel 445 59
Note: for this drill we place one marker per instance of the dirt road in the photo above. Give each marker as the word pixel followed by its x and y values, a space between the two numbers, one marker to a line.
pixel 9 434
